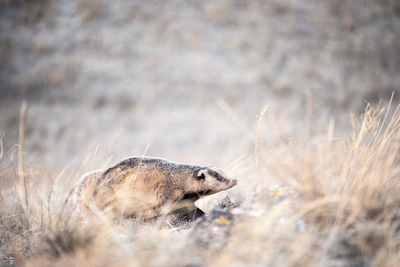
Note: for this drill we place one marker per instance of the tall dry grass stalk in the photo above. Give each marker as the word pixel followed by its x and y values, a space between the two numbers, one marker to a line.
pixel 339 202
pixel 313 200
pixel 21 183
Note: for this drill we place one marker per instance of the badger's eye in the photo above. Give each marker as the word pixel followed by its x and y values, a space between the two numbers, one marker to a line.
pixel 201 176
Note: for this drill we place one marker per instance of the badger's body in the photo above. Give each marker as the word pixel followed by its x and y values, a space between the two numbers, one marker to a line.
pixel 143 187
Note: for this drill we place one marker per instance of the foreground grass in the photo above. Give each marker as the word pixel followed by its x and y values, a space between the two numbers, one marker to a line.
pixel 313 201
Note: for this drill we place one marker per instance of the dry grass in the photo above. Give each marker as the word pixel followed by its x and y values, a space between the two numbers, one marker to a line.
pixel 317 200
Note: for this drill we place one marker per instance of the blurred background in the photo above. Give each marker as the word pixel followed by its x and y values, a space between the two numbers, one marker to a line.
pixel 186 80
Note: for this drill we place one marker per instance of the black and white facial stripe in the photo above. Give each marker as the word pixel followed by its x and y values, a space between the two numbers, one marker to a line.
pixel 217 176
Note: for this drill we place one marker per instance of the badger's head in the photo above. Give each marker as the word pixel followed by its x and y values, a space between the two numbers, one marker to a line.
pixel 206 181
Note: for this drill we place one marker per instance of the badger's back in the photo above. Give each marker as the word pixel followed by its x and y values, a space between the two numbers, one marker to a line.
pixel 137 187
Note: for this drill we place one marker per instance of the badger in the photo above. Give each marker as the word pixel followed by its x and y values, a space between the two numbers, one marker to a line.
pixel 145 187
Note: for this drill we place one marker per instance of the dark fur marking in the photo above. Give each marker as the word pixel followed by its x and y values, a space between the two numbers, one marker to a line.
pixel 217 176
pixel 195 195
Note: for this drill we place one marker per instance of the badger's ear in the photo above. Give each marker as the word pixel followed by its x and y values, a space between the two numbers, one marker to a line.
pixel 201 175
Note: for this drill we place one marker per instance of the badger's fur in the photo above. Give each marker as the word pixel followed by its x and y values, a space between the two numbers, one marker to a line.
pixel 143 187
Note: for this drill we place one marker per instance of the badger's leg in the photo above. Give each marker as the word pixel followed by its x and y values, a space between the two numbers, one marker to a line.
pixel 187 214
pixel 194 214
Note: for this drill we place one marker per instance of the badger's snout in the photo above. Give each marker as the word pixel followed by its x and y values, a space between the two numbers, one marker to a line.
pixel 232 183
